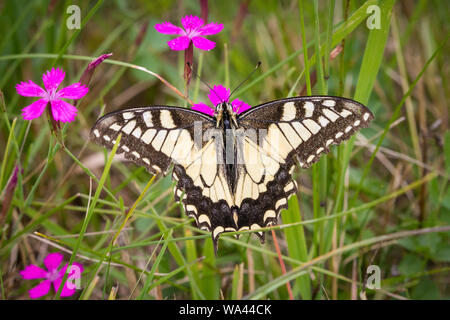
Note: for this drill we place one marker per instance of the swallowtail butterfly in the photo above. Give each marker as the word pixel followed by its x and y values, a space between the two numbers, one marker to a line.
pixel 233 171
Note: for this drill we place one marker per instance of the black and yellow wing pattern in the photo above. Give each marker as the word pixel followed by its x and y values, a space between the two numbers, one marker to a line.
pixel 249 189
pixel 288 131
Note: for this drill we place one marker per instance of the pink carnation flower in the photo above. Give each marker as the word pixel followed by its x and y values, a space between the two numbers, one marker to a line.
pixel 52 276
pixel 217 95
pixel 194 29
pixel 61 110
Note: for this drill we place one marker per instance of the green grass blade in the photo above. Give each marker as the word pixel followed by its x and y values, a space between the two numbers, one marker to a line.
pixel 296 244
pixel 90 212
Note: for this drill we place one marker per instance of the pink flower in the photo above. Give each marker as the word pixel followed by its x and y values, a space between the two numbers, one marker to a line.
pixel 194 29
pixel 217 95
pixel 52 276
pixel 61 110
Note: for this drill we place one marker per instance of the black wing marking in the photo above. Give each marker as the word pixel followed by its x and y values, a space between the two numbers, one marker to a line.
pixel 287 130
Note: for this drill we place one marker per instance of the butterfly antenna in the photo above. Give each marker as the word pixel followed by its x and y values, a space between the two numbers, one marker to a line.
pixel 245 80
pixel 204 82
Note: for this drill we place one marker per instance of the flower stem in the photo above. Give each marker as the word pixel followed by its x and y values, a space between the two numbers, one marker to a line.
pixel 199 72
pixel 188 63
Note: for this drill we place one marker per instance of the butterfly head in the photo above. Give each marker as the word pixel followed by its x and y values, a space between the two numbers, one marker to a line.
pixel 225 115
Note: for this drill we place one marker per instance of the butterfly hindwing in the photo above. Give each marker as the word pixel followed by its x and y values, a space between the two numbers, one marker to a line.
pixel 263 183
pixel 203 188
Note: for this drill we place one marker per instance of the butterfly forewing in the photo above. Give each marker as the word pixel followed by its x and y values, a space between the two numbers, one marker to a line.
pixel 152 137
pixel 305 127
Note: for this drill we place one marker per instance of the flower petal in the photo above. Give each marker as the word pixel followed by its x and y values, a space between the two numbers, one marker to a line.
pixel 74 91
pixel 240 106
pixel 33 272
pixel 53 260
pixel 63 111
pixel 52 79
pixel 30 89
pixel 218 94
pixel 34 110
pixel 168 28
pixel 204 108
pixel 40 290
pixel 210 28
pixel 190 23
pixel 180 43
pixel 203 43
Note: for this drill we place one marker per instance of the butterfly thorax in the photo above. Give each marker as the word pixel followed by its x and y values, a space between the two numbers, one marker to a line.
pixel 225 116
